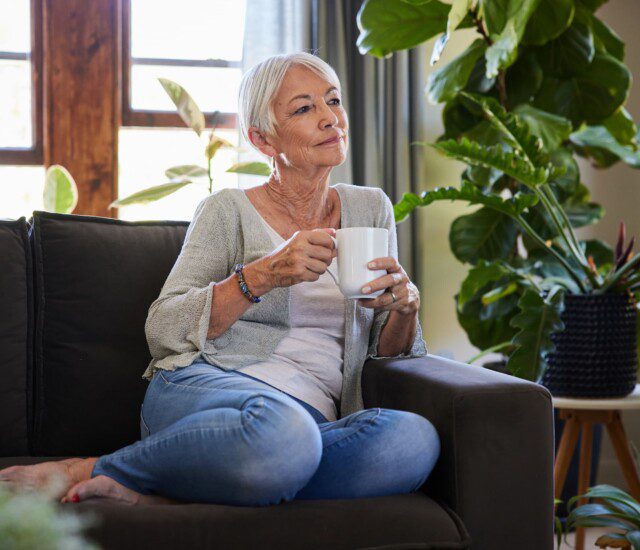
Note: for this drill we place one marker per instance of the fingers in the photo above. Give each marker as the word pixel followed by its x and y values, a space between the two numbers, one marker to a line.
pixel 387 262
pixel 384 282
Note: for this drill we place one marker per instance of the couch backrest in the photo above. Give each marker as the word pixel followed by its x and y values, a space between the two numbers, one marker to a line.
pixel 16 336
pixel 94 280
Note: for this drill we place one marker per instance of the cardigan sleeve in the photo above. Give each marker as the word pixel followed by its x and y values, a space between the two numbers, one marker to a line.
pixel 178 320
pixel 419 347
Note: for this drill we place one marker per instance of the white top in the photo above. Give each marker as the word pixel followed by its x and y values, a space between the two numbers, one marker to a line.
pixel 631 401
pixel 307 363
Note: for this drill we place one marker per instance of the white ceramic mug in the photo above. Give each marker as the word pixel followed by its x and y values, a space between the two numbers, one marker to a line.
pixel 356 247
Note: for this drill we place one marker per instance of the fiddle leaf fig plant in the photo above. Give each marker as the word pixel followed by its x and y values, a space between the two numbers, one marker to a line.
pixel 191 174
pixel 544 82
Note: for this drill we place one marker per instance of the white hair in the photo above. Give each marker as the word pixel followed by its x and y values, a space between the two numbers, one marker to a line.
pixel 260 84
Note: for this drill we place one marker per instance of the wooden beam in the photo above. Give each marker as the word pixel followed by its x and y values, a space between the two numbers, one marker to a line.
pixel 82 72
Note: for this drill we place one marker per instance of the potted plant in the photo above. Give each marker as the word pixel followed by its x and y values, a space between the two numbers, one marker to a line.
pixel 544 83
pixel 517 116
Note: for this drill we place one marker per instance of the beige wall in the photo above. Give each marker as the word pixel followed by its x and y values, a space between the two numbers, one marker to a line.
pixel 616 188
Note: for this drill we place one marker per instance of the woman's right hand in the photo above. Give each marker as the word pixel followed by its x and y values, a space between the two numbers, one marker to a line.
pixel 304 257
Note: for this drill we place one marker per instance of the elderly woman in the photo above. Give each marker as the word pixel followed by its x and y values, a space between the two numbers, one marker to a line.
pixel 255 391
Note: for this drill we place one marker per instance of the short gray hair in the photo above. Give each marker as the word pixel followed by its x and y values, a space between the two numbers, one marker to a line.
pixel 260 84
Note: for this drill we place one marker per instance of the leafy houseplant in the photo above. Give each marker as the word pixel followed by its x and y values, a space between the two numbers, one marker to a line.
pixel 61 192
pixel 183 175
pixel 544 82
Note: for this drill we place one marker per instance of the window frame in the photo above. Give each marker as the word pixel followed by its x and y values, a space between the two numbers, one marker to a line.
pixel 163 119
pixel 30 156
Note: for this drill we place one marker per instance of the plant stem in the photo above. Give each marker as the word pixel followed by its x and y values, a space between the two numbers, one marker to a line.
pixel 209 175
pixel 577 254
pixel 546 188
pixel 543 244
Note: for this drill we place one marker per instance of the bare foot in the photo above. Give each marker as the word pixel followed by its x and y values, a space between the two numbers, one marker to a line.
pixel 55 476
pixel 106 488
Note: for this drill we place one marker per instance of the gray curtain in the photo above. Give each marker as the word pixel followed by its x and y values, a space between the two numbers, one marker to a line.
pixel 384 98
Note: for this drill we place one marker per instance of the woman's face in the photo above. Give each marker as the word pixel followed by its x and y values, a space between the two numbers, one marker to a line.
pixel 308 111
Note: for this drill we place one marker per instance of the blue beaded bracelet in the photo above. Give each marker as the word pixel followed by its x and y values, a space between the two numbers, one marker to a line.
pixel 243 285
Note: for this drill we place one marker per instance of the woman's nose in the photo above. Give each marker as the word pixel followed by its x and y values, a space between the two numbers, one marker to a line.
pixel 328 117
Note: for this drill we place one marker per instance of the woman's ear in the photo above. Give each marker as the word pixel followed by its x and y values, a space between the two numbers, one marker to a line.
pixel 260 142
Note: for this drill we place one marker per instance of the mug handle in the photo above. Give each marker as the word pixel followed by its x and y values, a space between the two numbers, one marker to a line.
pixel 335 243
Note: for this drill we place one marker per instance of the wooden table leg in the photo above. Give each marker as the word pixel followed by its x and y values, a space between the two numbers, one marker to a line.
pixel 584 474
pixel 565 452
pixel 623 452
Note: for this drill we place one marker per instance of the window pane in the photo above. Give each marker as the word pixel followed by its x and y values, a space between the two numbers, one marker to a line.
pixel 189 29
pixel 21 191
pixel 15 34
pixel 15 104
pixel 145 154
pixel 213 89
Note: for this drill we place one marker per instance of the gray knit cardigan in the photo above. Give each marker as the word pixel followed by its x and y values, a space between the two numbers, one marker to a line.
pixel 227 229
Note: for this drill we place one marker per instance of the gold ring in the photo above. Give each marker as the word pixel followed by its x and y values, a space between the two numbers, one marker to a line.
pixel 394 297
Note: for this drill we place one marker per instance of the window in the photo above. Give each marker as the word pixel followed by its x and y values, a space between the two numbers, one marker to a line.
pixel 197 44
pixel 21 179
pixel 21 90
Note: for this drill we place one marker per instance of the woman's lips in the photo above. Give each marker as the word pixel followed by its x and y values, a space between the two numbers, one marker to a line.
pixel 331 141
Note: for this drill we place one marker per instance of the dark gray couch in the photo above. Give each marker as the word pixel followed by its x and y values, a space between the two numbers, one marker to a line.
pixel 74 295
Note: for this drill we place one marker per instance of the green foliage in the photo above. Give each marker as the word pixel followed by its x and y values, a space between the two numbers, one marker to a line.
pixel 60 190
pixel 539 317
pixel 183 175
pixel 31 520
pixel 544 82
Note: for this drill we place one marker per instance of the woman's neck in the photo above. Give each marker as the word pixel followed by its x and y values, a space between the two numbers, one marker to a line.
pixel 307 202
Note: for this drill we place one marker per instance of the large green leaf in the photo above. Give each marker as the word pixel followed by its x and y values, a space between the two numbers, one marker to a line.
pixel 186 171
pixel 539 317
pixel 468 192
pixel 458 11
pixel 569 54
pixel 551 129
pixel 445 83
pixel 188 109
pixel 479 275
pixel 498 12
pixel 151 194
pixel 606 39
pixel 622 127
pixel 387 26
pixel 550 19
pixel 493 157
pixel 486 234
pixel 593 139
pixel 503 52
pixel 251 168
pixel 591 96
pixel 487 326
pixel 523 79
pixel 60 192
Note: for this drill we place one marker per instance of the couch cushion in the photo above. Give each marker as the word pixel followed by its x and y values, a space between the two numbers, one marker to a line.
pixel 95 279
pixel 16 301
pixel 404 521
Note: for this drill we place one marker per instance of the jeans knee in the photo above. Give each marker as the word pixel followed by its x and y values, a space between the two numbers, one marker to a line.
pixel 289 450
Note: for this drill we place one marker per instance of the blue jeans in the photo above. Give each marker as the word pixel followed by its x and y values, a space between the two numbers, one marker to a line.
pixel 216 436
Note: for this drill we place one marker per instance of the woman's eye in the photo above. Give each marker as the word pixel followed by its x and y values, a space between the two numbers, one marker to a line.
pixel 336 99
pixel 300 109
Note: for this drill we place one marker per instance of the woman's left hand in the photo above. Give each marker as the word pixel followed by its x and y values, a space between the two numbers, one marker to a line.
pixel 396 280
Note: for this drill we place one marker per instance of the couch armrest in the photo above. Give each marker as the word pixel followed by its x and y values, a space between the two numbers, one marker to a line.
pixel 497 444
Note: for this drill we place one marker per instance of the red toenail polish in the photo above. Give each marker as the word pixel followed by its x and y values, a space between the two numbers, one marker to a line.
pixel 75 498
